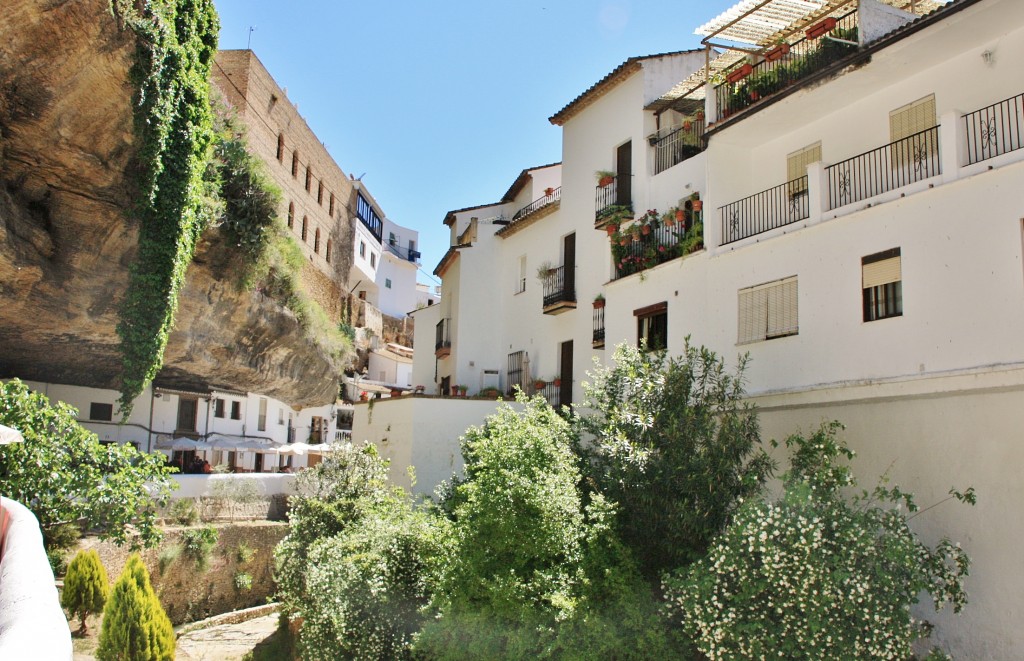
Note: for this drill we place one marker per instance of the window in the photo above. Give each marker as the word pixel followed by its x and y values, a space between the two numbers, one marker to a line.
pixel 328 253
pixel 309 178
pixel 261 421
pixel 514 373
pixel 521 281
pixel 796 167
pixel 768 311
pixel 99 411
pixel 387 283
pixel 316 241
pixel 320 193
pixel 280 147
pixel 236 410
pixel 908 121
pixel 881 279
pixel 295 163
pixel 392 241
pixel 305 227
pixel 280 416
pixel 373 260
pixel 652 326
pixel 412 245
pixel 291 215
pixel 362 249
pixel 330 208
pixel 187 410
pixel 218 408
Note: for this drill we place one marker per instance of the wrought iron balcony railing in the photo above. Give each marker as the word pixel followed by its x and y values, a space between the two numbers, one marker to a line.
pixel 539 203
pixel 677 145
pixel 886 168
pixel 760 212
pixel 609 197
pixel 559 287
pixel 598 338
pixel 442 338
pixel 995 130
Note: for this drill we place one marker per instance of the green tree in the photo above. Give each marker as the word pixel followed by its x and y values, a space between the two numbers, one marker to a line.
pixel 135 626
pixel 65 475
pixel 533 570
pixel 814 576
pixel 671 442
pixel 85 587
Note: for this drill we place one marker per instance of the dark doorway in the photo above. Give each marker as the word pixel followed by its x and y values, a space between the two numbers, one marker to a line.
pixel 188 407
pixel 569 267
pixel 624 175
pixel 565 373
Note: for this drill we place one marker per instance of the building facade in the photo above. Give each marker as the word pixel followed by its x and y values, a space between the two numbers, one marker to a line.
pixel 840 200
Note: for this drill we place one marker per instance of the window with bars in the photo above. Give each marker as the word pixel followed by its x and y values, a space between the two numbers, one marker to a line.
pixel 261 420
pixel 514 373
pixel 796 167
pixel 882 284
pixel 768 311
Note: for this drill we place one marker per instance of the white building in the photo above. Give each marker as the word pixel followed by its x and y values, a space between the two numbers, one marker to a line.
pixel 862 241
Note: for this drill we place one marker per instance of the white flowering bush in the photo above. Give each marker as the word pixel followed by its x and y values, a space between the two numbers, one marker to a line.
pixel 813 576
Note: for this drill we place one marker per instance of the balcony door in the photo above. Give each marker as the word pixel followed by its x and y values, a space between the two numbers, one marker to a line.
pixel 565 373
pixel 569 267
pixel 624 174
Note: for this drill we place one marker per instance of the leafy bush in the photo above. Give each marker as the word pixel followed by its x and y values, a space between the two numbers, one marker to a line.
pixel 232 492
pixel 244 553
pixel 184 511
pixel 167 557
pixel 533 570
pixel 66 476
pixel 198 543
pixel 243 581
pixel 814 577
pixel 671 442
pixel 85 587
pixel 135 626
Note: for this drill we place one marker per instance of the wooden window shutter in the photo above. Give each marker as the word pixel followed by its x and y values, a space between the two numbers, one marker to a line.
pixel 797 162
pixel 912 118
pixel 753 313
pixel 882 269
pixel 768 310
pixel 782 309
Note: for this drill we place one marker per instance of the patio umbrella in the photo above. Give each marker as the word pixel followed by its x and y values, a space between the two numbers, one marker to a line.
pixel 9 435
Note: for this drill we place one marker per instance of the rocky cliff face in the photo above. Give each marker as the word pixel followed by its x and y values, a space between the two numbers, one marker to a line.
pixel 67 237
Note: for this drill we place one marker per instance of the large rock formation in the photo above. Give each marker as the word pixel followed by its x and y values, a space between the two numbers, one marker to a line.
pixel 67 237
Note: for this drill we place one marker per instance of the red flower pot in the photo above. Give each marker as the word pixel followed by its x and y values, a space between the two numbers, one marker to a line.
pixel 820 29
pixel 679 215
pixel 645 229
pixel 698 205
pixel 777 53
pixel 739 74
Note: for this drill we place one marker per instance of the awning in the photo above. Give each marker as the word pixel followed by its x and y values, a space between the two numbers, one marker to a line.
pixel 10 435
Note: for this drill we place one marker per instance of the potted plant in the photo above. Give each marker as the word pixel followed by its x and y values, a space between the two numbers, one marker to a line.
pixel 539 384
pixel 700 115
pixel 454 391
pixel 611 228
pixel 544 271
pixel 462 391
pixel 777 52
pixel 604 177
pixel 549 191
pixel 557 382
pixel 599 301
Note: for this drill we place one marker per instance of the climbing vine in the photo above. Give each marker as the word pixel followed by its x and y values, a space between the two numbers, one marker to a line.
pixel 177 40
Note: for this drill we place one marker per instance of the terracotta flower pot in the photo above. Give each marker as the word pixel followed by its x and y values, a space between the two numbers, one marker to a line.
pixel 612 229
pixel 698 205
pixel 599 303
pixel 605 181
pixel 645 229
pixel 679 216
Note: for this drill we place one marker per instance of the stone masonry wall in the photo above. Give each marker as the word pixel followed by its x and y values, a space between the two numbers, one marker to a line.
pixel 189 593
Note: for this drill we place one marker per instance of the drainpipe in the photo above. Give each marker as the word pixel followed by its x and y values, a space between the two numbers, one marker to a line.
pixel 149 431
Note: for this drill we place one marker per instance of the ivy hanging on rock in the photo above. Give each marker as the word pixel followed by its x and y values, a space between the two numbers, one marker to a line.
pixel 177 40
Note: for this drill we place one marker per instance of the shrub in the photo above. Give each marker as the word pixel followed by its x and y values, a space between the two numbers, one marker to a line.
pixel 534 570
pixel 184 511
pixel 85 587
pixel 243 581
pixel 135 626
pixel 65 476
pixel 814 577
pixel 198 543
pixel 671 442
pixel 167 557
pixel 244 553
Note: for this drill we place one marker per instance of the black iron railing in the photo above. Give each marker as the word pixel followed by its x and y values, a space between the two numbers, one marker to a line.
pixel 598 326
pixel 995 130
pixel 607 197
pixel 790 63
pixel 555 195
pixel 442 335
pixel 775 207
pixel 660 244
pixel 886 168
pixel 559 287
pixel 551 391
pixel 407 254
pixel 676 146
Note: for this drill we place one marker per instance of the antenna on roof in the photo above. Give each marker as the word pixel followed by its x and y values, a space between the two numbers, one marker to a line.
pixel 248 44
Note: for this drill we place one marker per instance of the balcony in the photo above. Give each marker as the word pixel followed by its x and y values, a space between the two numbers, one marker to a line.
pixel 559 291
pixel 778 206
pixel 994 130
pixel 408 254
pixel 678 143
pixel 368 217
pixel 551 197
pixel 895 165
pixel 608 199
pixel 655 239
pixel 784 65
pixel 443 338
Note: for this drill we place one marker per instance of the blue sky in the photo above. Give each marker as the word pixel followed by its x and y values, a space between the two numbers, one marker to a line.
pixel 442 104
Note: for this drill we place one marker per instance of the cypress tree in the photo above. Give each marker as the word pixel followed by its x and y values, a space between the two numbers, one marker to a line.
pixel 85 587
pixel 135 626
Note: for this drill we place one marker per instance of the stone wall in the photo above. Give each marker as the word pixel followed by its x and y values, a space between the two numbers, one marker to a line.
pixel 189 593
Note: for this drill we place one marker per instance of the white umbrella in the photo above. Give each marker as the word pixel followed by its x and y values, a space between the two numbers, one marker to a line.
pixel 9 435
pixel 296 448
